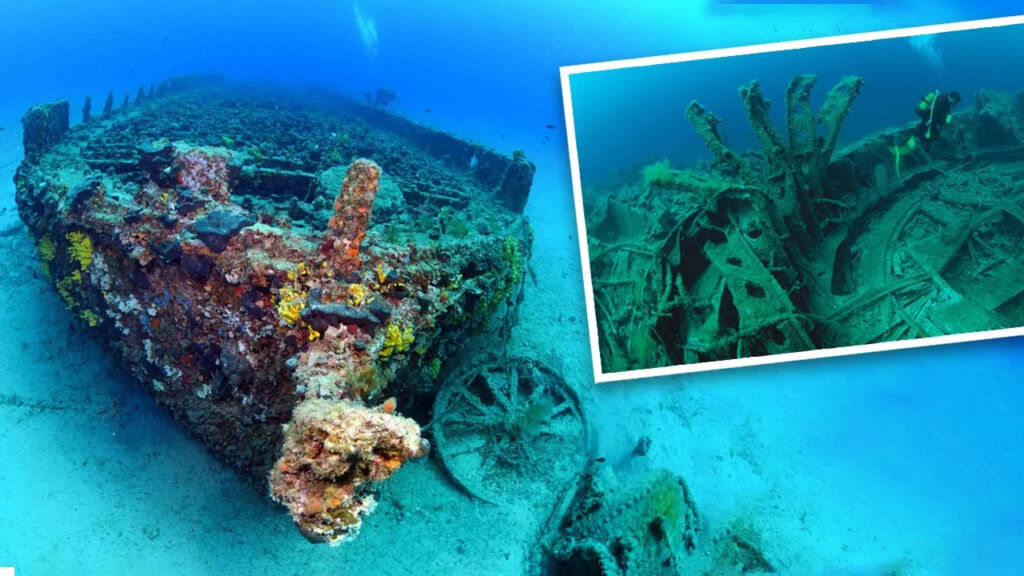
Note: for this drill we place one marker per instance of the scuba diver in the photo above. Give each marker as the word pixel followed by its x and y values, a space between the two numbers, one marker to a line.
pixel 935 111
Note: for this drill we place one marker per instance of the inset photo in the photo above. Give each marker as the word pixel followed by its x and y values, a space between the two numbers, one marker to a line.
pixel 800 199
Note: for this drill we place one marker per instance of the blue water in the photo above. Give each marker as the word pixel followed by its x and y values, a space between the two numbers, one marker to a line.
pixel 636 115
pixel 850 463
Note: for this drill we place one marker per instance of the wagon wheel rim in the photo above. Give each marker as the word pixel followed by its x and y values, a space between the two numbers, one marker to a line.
pixel 508 428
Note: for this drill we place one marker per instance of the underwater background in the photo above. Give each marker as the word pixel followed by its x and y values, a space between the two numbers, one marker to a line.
pixel 897 73
pixel 852 465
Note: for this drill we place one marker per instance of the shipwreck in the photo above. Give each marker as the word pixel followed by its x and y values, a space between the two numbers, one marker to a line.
pixel 800 246
pixel 285 272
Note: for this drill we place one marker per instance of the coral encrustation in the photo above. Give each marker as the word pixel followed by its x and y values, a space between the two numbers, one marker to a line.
pixel 333 454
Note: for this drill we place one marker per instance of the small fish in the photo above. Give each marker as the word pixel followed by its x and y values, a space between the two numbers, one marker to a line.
pixel 428 110
pixel 549 126
pixel 1 128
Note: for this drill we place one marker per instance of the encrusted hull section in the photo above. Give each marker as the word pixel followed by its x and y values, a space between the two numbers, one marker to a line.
pixel 313 257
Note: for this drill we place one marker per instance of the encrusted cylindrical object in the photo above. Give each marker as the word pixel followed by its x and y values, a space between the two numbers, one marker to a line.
pixel 352 210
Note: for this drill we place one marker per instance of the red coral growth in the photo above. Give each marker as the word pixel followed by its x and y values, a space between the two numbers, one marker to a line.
pixel 352 211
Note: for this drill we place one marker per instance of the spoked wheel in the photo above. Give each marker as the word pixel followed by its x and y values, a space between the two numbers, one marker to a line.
pixel 509 429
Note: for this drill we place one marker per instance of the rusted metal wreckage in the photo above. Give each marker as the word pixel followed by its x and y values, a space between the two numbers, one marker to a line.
pixel 799 247
pixel 278 267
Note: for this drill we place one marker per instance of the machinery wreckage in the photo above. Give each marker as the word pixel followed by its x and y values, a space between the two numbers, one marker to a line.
pixel 282 271
pixel 799 247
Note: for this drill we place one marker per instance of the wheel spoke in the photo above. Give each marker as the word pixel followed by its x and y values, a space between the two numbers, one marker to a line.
pixel 489 461
pixel 499 395
pixel 475 402
pixel 538 377
pixel 536 394
pixel 563 407
pixel 513 384
pixel 469 420
pixel 467 450
pixel 463 434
